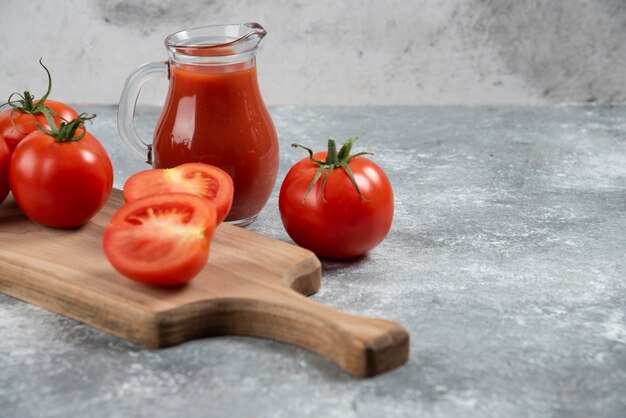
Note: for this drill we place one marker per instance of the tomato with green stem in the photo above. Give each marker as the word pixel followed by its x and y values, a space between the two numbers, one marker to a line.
pixel 61 177
pixel 26 114
pixel 336 204
pixel 162 240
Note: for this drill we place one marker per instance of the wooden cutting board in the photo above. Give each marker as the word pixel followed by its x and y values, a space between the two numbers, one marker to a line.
pixel 252 285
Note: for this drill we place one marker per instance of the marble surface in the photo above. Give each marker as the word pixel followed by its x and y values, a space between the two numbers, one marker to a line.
pixel 505 262
pixel 325 52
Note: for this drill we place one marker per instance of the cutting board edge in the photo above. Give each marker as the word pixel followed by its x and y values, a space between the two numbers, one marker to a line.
pixel 305 277
pixel 141 326
pixel 354 351
pixel 63 300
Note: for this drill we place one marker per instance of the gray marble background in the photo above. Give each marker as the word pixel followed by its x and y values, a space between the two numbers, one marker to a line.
pixel 336 53
pixel 505 262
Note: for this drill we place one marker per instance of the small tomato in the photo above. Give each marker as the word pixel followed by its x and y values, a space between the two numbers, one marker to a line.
pixel 25 114
pixel 336 204
pixel 62 177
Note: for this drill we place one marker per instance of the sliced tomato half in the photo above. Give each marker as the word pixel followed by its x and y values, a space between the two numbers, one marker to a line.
pixel 161 240
pixel 207 181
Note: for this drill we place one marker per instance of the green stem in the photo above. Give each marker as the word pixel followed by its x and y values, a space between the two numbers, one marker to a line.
pixel 331 157
pixel 334 160
pixel 66 131
pixel 26 102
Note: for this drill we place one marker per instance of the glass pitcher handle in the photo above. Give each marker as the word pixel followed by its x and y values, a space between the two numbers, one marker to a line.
pixel 128 102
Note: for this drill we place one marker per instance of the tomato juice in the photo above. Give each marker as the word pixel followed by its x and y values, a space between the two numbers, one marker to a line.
pixel 214 114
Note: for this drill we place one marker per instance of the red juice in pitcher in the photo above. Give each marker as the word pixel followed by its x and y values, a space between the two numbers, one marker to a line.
pixel 214 112
pixel 218 117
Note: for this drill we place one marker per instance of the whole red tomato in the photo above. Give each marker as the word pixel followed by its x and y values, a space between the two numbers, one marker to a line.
pixel 336 204
pixel 5 159
pixel 26 112
pixel 16 124
pixel 61 178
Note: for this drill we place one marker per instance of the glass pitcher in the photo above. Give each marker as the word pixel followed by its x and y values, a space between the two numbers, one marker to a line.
pixel 213 112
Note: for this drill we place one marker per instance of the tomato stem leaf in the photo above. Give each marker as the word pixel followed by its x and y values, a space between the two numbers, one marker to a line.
pixel 317 176
pixel 331 157
pixel 66 131
pixel 26 102
pixel 333 161
pixel 328 170
pixel 310 151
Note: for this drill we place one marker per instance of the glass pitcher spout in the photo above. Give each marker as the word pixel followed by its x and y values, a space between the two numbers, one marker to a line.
pixel 220 44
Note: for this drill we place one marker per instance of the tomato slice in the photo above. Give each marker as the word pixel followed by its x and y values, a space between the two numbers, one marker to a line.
pixel 207 181
pixel 161 240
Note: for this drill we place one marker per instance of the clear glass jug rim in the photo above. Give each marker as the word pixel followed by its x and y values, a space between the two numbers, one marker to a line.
pixel 215 40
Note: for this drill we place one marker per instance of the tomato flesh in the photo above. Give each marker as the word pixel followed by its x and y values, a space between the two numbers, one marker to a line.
pixel 162 240
pixel 209 182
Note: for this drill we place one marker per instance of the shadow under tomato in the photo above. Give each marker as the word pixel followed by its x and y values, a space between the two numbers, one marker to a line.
pixel 13 220
pixel 334 264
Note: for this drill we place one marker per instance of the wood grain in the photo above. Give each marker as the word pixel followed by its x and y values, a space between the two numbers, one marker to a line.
pixel 253 285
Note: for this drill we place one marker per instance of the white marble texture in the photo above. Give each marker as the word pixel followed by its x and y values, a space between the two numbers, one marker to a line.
pixel 326 52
